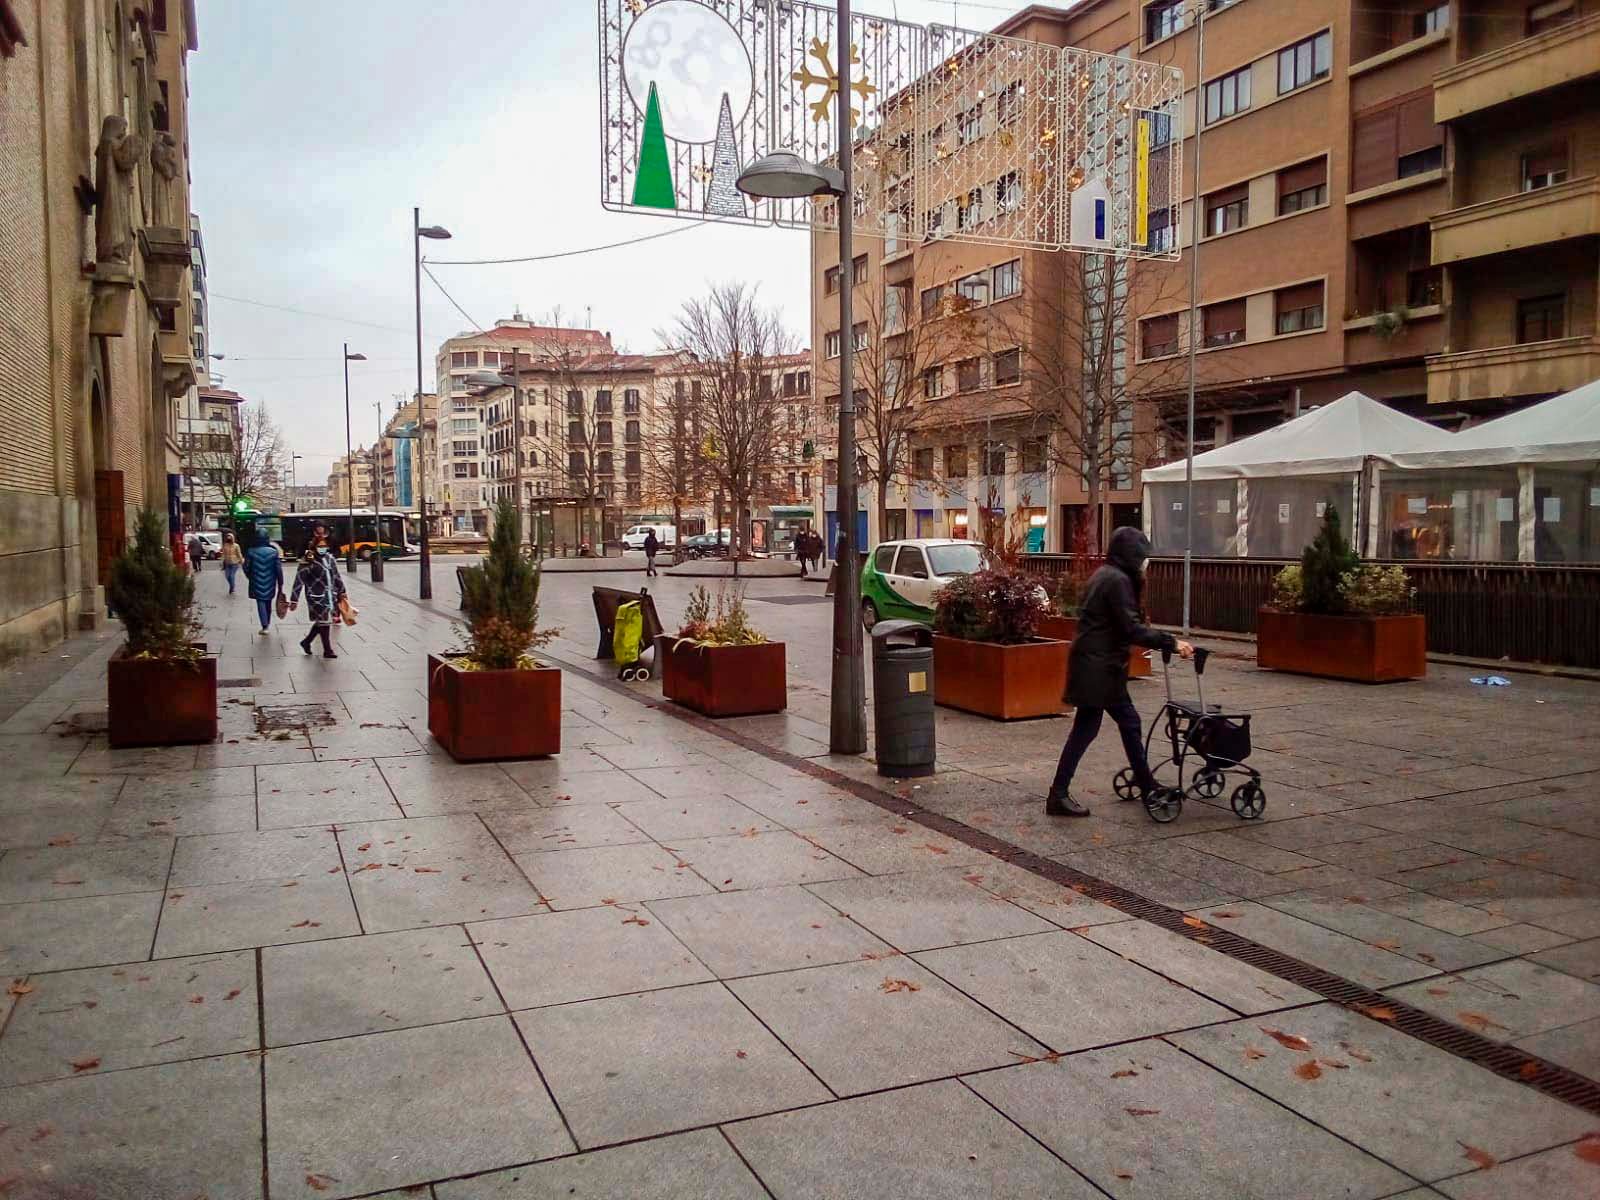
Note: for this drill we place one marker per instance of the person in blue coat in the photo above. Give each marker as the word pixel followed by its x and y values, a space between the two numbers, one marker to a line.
pixel 263 568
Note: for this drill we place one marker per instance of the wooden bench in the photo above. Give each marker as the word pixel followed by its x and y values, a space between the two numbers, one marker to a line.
pixel 606 602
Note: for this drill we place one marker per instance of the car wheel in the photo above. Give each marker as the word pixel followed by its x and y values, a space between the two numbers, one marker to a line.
pixel 869 615
pixel 364 553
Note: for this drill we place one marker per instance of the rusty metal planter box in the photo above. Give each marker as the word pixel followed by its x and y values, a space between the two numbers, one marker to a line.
pixel 151 702
pixel 1360 649
pixel 478 715
pixel 1064 629
pixel 723 681
pixel 1004 682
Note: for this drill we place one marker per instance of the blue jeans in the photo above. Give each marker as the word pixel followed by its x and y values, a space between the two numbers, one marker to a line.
pixel 1085 727
pixel 264 611
pixel 231 570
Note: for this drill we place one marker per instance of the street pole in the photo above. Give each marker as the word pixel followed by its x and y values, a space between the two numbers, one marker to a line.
pixel 425 581
pixel 847 725
pixel 376 561
pixel 349 470
pixel 1194 311
pixel 516 440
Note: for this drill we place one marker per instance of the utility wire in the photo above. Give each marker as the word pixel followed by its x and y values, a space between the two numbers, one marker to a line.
pixel 452 299
pixel 305 312
pixel 480 262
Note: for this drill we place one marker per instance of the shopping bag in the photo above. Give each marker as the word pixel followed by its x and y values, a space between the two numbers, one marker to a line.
pixel 627 633
pixel 346 611
pixel 282 607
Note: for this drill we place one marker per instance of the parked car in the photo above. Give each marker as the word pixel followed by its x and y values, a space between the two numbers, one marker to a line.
pixel 633 539
pixel 213 541
pixel 708 545
pixel 900 579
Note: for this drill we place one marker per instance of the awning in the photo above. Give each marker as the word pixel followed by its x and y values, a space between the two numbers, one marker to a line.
pixel 793 510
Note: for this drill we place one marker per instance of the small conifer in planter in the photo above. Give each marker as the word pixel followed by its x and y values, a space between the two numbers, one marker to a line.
pixel 161 687
pixel 493 700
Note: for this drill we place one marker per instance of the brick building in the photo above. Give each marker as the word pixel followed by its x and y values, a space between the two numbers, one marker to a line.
pixel 96 346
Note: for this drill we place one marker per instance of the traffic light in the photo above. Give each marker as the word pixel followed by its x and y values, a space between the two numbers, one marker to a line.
pixel 241 505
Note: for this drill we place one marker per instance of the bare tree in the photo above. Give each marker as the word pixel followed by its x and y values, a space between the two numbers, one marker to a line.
pixel 243 461
pixel 676 465
pixel 735 342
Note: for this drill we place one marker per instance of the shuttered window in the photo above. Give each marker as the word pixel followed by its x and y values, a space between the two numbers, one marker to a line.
pixel 1228 209
pixel 1544 168
pixel 1159 336
pixel 1224 323
pixel 1302 187
pixel 1395 141
pixel 1299 308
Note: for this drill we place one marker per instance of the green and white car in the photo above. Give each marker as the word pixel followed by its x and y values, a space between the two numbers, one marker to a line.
pixel 900 579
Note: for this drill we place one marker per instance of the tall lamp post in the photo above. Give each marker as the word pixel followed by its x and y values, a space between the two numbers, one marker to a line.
pixel 376 562
pixel 418 232
pixel 784 175
pixel 294 479
pixel 350 462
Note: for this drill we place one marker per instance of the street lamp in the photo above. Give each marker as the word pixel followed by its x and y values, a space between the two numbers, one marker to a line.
pixel 294 480
pixel 784 175
pixel 484 382
pixel 438 233
pixel 349 461
pixel 376 561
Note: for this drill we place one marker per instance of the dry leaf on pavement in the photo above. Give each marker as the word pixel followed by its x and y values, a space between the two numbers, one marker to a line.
pixel 1588 1148
pixel 19 989
pixel 634 920
pixel 1142 1112
pixel 1478 1158
pixel 1477 1021
pixel 1378 1012
pixel 320 1183
pixel 1309 1070
pixel 1528 1069
pixel 1123 1074
pixel 1251 1053
pixel 1292 1040
pixel 898 985
pixel 1195 923
pixel 84 1064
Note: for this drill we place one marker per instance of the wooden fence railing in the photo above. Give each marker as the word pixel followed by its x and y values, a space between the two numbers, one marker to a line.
pixel 1524 612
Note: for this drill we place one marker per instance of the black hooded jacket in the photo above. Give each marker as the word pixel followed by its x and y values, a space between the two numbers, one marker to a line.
pixel 1109 626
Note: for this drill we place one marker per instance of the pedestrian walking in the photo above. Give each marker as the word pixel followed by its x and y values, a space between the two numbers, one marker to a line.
pixel 319 578
pixel 197 552
pixel 232 559
pixel 652 547
pixel 263 572
pixel 1109 625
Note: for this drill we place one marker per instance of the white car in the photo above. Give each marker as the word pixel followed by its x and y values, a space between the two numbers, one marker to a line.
pixel 633 539
pixel 900 580
pixel 213 541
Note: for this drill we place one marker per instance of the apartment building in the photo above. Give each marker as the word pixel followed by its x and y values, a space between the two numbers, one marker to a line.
pixel 208 440
pixel 396 458
pixel 95 351
pixel 351 472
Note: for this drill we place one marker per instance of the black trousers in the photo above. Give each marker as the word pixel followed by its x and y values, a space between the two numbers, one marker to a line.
pixel 327 642
pixel 1085 727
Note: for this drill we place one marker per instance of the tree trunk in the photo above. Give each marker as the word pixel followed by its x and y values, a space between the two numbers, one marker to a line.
pixel 1092 539
pixel 883 508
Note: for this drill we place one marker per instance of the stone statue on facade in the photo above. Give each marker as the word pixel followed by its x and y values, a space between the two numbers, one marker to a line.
pixel 116 157
pixel 165 209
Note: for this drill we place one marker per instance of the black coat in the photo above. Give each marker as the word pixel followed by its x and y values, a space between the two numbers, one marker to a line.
pixel 1109 625
pixel 652 544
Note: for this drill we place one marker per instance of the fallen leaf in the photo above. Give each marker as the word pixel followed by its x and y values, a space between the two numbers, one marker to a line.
pixel 320 1183
pixel 563 797
pixel 368 867
pixel 898 985
pixel 1292 1040
pixel 1528 1069
pixel 1251 1053
pixel 1358 1055
pixel 1588 1148
pixel 1474 1020
pixel 1122 1175
pixel 308 924
pixel 1123 1074
pixel 197 999
pixel 84 1064
pixel 1226 916
pixel 1378 1012
pixel 1195 923
pixel 898 829
pixel 61 841
pixel 1385 944
pixel 740 1054
pixel 634 920
pixel 291 883
pixel 334 870
pixel 751 832
pixel 231 994
pixel 1142 1112
pixel 972 878
pixel 364 847
pixel 19 989
pixel 426 870
pixel 816 925
pixel 932 849
pixel 1478 1158
pixel 1309 1070
pixel 1053 1056
pixel 1438 991
pixel 1334 1064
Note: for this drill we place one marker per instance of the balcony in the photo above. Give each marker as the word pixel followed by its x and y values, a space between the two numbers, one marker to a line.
pixel 1532 369
pixel 1516 222
pixel 1562 55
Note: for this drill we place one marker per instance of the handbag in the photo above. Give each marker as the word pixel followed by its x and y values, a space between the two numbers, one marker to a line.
pixel 282 607
pixel 346 612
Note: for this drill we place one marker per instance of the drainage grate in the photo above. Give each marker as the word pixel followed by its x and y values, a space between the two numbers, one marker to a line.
pixel 246 682
pixel 291 718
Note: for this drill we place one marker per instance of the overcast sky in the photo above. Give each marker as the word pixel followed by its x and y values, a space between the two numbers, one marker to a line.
pixel 317 124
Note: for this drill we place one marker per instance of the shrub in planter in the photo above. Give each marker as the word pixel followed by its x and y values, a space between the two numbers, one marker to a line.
pixel 161 687
pixel 1336 617
pixel 987 657
pixel 720 664
pixel 493 699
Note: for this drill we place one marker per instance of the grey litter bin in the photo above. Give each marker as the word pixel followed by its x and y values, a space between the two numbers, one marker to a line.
pixel 902 698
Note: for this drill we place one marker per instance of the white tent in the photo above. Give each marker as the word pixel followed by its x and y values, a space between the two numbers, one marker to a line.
pixel 1336 439
pixel 1564 428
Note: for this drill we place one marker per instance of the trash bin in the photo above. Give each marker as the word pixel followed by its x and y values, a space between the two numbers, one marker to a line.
pixel 902 698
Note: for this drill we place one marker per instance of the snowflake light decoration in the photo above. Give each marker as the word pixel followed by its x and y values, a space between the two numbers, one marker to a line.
pixel 828 81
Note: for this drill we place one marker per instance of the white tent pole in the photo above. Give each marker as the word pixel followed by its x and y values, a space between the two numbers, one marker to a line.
pixel 1527 543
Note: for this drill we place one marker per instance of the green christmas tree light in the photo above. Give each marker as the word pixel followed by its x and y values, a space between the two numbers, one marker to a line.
pixel 652 185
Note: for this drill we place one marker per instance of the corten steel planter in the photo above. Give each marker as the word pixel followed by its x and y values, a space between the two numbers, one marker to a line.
pixel 1360 649
pixel 1064 629
pixel 723 681
pixel 1007 683
pixel 153 702
pixel 478 715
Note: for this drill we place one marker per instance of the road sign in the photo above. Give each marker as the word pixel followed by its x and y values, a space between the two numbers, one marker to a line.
pixel 959 135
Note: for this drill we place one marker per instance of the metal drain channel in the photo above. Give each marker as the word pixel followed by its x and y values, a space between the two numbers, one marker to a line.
pixel 1508 1062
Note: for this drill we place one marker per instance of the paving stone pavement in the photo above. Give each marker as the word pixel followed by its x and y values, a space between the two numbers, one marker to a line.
pixel 323 960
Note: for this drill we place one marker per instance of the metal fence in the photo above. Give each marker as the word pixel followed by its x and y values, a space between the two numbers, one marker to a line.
pixel 1516 611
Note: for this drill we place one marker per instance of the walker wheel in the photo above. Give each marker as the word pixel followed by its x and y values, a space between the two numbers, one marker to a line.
pixel 1164 804
pixel 1207 785
pixel 626 674
pixel 1124 784
pixel 1249 801
pixel 642 675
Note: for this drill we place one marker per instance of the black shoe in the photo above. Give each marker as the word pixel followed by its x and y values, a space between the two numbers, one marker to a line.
pixel 1064 806
pixel 329 654
pixel 306 646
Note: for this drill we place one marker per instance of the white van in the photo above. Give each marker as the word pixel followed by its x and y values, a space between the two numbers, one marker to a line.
pixel 667 535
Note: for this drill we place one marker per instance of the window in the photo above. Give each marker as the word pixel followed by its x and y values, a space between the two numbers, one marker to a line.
pixel 602 433
pixel 1396 141
pixel 1223 323
pixel 630 401
pixel 969 375
pixel 1543 168
pixel 1424 287
pixel 969 125
pixel 1162 20
pixel 1430 21
pixel 459 470
pixel 1543 17
pixel 1303 187
pixel 1299 308
pixel 858 270
pixel 858 339
pixel 883 559
pixel 930 301
pixel 463 449
pixel 633 490
pixel 1541 318
pixel 1031 456
pixel 631 462
pixel 574 404
pixel 1421 162
pixel 933 383
pixel 955 462
pixel 830 281
pixel 1228 209
pixel 830 472
pixel 1163 229
pixel 630 431
pixel 603 462
pixel 1008 367
pixel 922 463
pixel 830 343
pixel 1228 95
pixel 1158 336
pixel 463 425
pixel 575 465
pixel 911 564
pixel 896 301
pixel 969 210
pixel 1008 102
pixel 602 402
pixel 1305 62
pixel 933 223
pixel 973 288
pixel 994 458
pixel 575 432
pixel 1007 279
pixel 463 358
